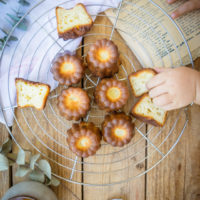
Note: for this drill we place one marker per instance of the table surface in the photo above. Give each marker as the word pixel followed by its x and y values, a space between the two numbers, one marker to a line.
pixel 175 178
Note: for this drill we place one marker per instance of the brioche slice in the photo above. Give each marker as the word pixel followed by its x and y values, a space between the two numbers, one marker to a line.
pixel 74 22
pixel 139 79
pixel 148 112
pixel 31 94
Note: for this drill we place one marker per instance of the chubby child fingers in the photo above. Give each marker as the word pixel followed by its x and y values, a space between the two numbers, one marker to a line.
pixel 171 1
pixel 162 100
pixel 157 91
pixel 162 69
pixel 188 6
pixel 155 81
pixel 170 106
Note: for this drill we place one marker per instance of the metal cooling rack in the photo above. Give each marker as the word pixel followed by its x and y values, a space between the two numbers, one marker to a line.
pixel 146 150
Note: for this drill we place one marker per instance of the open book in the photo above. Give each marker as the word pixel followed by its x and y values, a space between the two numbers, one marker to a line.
pixel 153 36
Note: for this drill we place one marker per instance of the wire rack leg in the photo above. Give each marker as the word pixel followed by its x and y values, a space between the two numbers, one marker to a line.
pixel 74 166
pixel 117 16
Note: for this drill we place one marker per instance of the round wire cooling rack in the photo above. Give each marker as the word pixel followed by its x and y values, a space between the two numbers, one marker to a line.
pixel 45 131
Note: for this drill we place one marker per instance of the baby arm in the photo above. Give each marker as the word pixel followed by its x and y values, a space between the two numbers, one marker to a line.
pixel 175 88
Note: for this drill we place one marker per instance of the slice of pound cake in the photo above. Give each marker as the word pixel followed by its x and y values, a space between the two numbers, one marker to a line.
pixel 74 22
pixel 31 94
pixel 145 110
pixel 139 79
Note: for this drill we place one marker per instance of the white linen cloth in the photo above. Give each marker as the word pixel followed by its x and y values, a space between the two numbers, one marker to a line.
pixel 30 59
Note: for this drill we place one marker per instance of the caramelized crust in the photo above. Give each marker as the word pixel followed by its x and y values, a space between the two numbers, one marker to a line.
pixel 73 103
pixel 103 58
pixel 111 94
pixel 117 129
pixel 84 139
pixel 68 69
pixel 75 32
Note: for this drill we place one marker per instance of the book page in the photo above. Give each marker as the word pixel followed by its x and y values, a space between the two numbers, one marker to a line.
pixel 153 36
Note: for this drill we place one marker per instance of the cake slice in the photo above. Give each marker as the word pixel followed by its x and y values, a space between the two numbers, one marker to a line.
pixel 31 94
pixel 148 112
pixel 74 22
pixel 139 79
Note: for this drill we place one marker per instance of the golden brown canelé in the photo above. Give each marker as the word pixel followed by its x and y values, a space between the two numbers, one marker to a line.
pixel 73 103
pixel 103 58
pixel 68 69
pixel 117 129
pixel 111 94
pixel 84 139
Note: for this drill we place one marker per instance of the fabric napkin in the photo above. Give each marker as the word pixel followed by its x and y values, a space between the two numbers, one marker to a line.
pixel 30 59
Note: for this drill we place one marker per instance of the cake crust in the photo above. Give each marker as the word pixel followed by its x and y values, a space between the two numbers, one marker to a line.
pixel 137 74
pixel 146 119
pixel 35 84
pixel 75 31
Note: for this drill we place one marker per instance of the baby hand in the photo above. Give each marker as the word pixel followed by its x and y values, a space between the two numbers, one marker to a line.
pixel 186 7
pixel 174 88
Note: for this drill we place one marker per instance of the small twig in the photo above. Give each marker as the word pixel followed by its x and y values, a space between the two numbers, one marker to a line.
pixel 24 2
pixel 27 164
pixel 1 1
pixel 13 20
